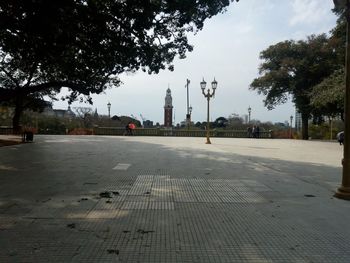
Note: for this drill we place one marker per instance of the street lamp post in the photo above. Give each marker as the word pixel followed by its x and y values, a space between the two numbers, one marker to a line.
pixel 109 109
pixel 331 131
pixel 249 112
pixel 208 95
pixel 188 115
pixel 291 126
pixel 343 192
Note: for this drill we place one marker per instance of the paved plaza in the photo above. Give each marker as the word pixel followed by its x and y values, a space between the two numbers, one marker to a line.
pixel 168 199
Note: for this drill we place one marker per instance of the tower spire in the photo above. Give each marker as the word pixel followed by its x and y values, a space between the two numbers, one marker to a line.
pixel 168 109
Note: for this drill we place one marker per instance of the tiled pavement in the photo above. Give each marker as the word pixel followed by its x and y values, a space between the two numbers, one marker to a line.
pixel 167 210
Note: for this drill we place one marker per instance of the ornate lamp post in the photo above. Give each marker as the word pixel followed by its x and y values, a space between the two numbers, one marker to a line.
pixel 189 116
pixel 343 191
pixel 249 112
pixel 291 126
pixel 109 109
pixel 208 95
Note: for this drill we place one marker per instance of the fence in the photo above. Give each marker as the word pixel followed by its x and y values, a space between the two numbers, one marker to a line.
pixel 5 130
pixel 179 133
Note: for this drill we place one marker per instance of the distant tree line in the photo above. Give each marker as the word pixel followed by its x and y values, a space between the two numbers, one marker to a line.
pixel 84 119
pixel 233 122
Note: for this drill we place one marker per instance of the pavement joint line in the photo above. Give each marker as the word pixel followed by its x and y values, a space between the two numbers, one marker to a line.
pixel 122 166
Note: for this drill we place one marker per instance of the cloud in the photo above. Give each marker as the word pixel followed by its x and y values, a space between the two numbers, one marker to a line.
pixel 267 6
pixel 309 11
pixel 243 28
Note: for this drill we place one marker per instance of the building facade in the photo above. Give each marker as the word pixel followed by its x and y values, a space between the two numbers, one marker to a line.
pixel 168 110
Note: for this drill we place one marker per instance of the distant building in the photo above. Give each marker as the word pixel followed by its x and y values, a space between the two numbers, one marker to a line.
pixel 49 111
pixel 59 113
pixel 281 124
pixel 168 110
pixel 246 119
pixel 147 124
pixel 96 114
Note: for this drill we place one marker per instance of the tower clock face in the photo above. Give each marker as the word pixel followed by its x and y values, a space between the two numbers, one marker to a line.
pixel 168 101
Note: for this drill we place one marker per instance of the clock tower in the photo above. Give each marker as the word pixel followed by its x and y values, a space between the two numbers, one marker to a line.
pixel 168 109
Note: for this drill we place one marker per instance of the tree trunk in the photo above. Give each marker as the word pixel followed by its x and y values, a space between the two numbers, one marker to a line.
pixel 305 126
pixel 17 117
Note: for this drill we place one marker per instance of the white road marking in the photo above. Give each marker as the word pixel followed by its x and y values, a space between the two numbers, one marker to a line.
pixel 122 166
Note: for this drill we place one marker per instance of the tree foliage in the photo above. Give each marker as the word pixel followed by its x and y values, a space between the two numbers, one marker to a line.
pixel 86 44
pixel 327 98
pixel 220 122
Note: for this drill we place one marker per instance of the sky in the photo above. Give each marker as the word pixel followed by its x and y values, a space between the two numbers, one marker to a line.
pixel 228 49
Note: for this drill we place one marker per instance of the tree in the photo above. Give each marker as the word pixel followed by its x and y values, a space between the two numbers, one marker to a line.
pixel 85 114
pixel 220 122
pixel 115 118
pixel 198 124
pixel 85 45
pixel 294 68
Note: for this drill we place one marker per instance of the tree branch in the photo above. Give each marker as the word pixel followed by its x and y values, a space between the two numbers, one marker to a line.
pixel 8 94
pixel 10 76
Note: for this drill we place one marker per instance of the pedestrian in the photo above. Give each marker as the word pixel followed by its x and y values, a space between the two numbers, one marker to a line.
pixel 254 131
pixel 340 137
pixel 127 129
pixel 249 132
pixel 257 130
pixel 131 127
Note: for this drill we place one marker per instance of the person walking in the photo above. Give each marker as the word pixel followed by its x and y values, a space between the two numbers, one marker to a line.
pixel 128 129
pixel 249 132
pixel 340 137
pixel 131 128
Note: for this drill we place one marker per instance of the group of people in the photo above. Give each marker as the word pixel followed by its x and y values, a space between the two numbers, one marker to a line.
pixel 253 132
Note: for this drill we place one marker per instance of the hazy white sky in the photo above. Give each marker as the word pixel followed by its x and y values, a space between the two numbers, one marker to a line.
pixel 228 49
